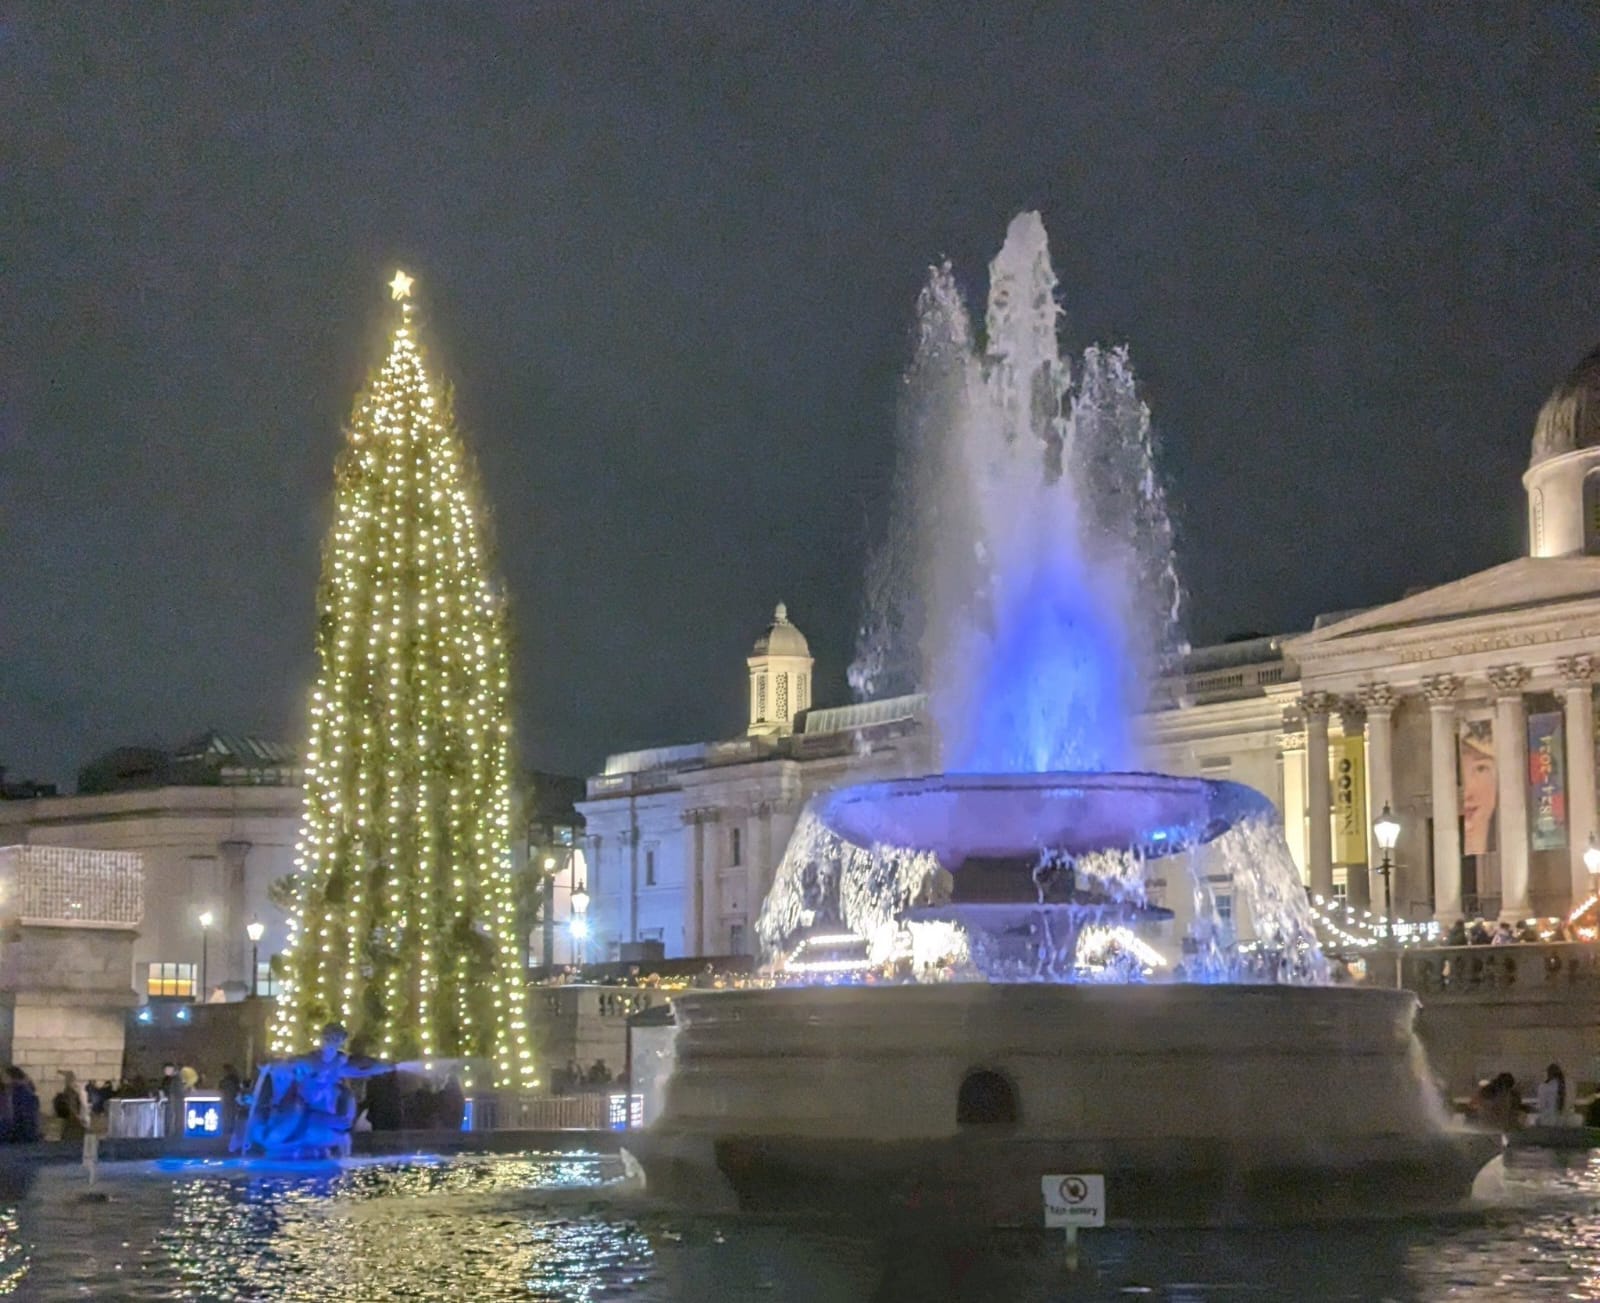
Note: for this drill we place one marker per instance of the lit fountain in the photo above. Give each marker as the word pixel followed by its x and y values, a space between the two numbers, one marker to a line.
pixel 1027 583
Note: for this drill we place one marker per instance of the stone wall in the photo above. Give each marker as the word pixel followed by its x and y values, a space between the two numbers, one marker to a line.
pixel 64 994
pixel 1491 1009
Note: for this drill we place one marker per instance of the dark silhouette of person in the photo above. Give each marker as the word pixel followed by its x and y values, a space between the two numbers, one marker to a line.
pixel 231 1086
pixel 24 1106
pixel 451 1104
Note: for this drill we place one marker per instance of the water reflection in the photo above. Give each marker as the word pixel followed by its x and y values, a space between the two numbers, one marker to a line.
pixel 562 1230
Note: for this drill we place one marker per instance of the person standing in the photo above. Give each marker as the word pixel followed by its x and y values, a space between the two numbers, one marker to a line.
pixel 24 1106
pixel 1551 1099
pixel 230 1086
pixel 172 1093
pixel 68 1105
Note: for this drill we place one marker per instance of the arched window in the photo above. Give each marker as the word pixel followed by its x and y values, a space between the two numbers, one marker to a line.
pixel 986 1099
pixel 1591 513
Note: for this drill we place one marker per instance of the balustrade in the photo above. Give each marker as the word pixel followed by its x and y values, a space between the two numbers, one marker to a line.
pixel 1524 970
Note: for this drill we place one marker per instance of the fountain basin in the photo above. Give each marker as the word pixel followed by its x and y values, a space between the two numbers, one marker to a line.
pixel 1005 816
pixel 1200 1105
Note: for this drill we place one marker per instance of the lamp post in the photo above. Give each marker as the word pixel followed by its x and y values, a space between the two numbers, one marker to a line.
pixel 580 919
pixel 207 918
pixel 1387 830
pixel 254 930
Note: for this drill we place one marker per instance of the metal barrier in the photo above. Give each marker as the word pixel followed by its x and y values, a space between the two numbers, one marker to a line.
pixel 135 1119
pixel 509 1111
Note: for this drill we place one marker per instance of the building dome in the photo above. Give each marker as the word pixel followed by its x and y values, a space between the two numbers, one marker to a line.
pixel 782 638
pixel 1570 417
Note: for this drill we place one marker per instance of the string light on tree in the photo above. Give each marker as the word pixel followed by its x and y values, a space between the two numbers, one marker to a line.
pixel 403 926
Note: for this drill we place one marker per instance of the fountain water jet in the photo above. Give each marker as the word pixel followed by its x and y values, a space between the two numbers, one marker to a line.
pixel 1027 583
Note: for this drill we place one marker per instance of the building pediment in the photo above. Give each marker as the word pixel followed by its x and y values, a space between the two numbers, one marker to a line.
pixel 1526 603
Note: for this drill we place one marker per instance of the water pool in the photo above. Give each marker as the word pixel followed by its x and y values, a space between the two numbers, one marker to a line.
pixel 569 1229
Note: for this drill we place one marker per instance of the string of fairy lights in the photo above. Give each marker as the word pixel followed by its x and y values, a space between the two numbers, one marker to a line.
pixel 403 926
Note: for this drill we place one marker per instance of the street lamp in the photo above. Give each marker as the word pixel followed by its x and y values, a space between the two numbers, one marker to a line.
pixel 207 918
pixel 1591 857
pixel 1387 830
pixel 254 930
pixel 580 918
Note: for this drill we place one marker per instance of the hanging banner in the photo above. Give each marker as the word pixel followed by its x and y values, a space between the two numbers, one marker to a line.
pixel 1480 787
pixel 1350 800
pixel 1547 782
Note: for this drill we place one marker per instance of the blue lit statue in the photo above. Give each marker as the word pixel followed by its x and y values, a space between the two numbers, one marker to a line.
pixel 302 1107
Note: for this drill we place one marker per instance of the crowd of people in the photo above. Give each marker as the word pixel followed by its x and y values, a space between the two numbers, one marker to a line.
pixel 1480 932
pixel 574 1079
pixel 1499 1104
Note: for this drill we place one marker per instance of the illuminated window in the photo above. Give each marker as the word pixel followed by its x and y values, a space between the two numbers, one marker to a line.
pixel 801 688
pixel 783 696
pixel 266 983
pixel 761 698
pixel 171 979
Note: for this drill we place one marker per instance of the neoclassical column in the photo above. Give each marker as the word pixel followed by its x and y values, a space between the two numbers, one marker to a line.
pixel 633 882
pixel 1441 690
pixel 1577 702
pixel 1511 765
pixel 1379 701
pixel 1314 708
pixel 710 885
pixel 761 866
pixel 694 868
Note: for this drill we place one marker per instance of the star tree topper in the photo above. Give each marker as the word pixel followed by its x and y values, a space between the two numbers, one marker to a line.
pixel 400 286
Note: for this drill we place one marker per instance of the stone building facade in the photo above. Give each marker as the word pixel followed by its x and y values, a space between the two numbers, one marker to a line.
pixel 213 835
pixel 1468 709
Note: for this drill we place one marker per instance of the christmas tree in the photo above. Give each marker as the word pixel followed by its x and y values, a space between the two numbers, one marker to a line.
pixel 403 925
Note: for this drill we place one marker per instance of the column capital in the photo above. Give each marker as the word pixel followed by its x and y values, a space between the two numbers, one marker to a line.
pixel 1377 698
pixel 1508 680
pixel 1316 705
pixel 1441 690
pixel 1576 671
pixel 1352 714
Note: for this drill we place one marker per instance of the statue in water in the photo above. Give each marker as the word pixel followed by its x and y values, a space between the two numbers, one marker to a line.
pixel 302 1107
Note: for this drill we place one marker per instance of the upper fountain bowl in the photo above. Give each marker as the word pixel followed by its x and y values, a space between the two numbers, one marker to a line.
pixel 961 817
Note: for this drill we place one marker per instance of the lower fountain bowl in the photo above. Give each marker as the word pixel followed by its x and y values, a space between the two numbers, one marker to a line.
pixel 1199 1105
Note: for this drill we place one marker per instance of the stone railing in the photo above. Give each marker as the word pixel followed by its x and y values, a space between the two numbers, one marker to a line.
pixel 583 999
pixel 62 886
pixel 1531 971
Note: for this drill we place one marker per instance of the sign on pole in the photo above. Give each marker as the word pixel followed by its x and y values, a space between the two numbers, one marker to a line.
pixel 1074 1200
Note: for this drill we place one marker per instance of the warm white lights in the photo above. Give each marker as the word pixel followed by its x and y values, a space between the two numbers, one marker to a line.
pixel 403 919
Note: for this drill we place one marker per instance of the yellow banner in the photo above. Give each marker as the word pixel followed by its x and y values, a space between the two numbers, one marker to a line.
pixel 1349 764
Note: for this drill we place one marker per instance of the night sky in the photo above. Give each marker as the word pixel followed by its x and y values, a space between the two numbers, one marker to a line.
pixel 668 254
